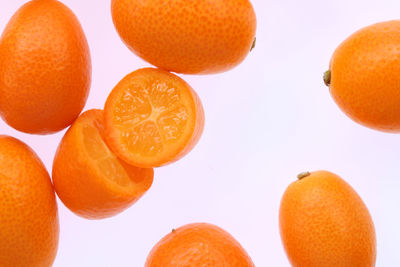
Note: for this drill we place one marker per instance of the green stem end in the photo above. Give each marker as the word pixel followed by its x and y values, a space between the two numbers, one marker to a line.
pixel 327 77
pixel 303 175
pixel 254 44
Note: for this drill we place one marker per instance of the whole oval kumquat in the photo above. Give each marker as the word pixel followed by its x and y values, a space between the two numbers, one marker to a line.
pixel 363 79
pixel 45 68
pixel 324 223
pixel 198 244
pixel 192 37
pixel 28 210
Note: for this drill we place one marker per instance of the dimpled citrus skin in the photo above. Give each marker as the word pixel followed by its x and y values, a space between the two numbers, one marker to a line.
pixel 45 68
pixel 89 179
pixel 198 244
pixel 324 223
pixel 364 76
pixel 28 222
pixel 192 37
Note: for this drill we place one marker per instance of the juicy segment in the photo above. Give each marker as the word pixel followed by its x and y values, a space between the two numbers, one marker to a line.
pixel 150 116
pixel 108 164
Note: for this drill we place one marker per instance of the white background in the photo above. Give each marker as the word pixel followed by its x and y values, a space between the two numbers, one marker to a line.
pixel 266 121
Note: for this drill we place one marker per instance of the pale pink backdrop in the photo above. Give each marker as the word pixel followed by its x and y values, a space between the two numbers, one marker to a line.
pixel 266 121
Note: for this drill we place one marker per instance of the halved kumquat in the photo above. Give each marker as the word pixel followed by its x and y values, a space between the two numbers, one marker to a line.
pixel 152 118
pixel 89 179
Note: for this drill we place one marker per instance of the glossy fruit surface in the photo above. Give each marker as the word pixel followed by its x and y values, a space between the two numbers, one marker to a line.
pixel 45 68
pixel 198 244
pixel 364 78
pixel 192 37
pixel 324 223
pixel 28 210
pixel 89 179
pixel 152 118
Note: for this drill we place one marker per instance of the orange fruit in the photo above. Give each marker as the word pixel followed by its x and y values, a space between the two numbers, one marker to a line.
pixel 363 76
pixel 29 219
pixel 89 179
pixel 152 118
pixel 198 244
pixel 324 223
pixel 192 37
pixel 45 68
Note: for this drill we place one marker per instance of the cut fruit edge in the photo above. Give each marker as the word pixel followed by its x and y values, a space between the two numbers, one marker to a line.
pixel 168 153
pixel 117 174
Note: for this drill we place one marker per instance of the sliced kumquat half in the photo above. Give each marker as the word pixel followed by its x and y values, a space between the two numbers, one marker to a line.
pixel 89 179
pixel 152 118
